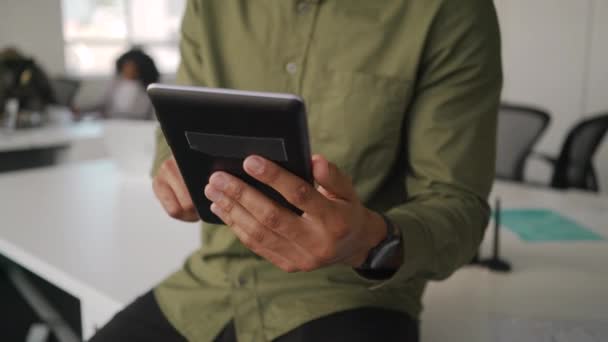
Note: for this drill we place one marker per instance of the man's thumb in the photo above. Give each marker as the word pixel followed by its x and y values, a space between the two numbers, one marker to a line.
pixel 333 180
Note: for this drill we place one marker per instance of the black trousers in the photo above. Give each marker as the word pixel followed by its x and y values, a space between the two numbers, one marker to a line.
pixel 143 321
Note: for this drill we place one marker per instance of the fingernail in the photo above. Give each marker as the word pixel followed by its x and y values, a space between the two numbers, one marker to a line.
pixel 255 165
pixel 212 194
pixel 219 181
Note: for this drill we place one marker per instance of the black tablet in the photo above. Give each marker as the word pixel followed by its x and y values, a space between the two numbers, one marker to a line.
pixel 212 129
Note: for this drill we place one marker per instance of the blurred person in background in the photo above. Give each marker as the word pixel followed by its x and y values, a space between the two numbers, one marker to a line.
pixel 126 97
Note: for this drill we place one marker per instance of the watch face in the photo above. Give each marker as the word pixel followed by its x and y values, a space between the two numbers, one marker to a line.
pixel 381 255
pixel 385 252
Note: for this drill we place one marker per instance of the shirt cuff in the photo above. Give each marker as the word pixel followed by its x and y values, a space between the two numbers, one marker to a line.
pixel 414 240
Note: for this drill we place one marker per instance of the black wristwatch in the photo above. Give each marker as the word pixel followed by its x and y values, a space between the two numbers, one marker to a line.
pixel 383 253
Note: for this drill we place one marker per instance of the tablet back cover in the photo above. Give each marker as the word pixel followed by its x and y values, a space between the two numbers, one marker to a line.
pixel 210 130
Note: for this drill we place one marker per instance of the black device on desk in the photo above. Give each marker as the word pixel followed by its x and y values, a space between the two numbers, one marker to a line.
pixel 212 129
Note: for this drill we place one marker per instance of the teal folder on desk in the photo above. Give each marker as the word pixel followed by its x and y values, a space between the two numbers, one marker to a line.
pixel 543 225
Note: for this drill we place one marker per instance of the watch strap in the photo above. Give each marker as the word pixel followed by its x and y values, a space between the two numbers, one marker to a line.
pixel 377 254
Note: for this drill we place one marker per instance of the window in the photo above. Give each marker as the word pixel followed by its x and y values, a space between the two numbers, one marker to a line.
pixel 97 32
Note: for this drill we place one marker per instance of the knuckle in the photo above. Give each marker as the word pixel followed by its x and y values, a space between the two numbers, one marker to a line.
pixel 288 232
pixel 271 219
pixel 326 253
pixel 340 228
pixel 301 195
pixel 329 210
pixel 258 235
pixel 226 205
pixel 272 174
pixel 235 190
pixel 340 233
pixel 248 241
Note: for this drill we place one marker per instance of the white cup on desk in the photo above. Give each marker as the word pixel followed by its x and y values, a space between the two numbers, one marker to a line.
pixel 11 110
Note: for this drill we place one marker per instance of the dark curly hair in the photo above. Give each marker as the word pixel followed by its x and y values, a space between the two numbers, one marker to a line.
pixel 148 73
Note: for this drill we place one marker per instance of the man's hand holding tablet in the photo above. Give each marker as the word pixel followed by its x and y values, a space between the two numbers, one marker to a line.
pixel 272 206
pixel 335 226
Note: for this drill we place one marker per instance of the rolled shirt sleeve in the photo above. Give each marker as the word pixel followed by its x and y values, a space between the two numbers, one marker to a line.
pixel 450 144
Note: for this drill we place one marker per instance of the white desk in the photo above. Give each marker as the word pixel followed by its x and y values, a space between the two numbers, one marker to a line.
pixel 48 136
pixel 64 142
pixel 104 239
pixel 97 235
pixel 558 289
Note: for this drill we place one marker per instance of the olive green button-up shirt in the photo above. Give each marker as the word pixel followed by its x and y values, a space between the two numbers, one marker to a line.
pixel 401 94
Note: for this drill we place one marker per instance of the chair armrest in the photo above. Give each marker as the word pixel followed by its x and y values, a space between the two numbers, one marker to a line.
pixel 45 311
pixel 544 157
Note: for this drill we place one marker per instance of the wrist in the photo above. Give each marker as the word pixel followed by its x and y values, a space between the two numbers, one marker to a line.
pixel 381 234
pixel 376 228
pixel 374 233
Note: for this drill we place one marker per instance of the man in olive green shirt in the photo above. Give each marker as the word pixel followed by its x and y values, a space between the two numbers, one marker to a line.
pixel 402 98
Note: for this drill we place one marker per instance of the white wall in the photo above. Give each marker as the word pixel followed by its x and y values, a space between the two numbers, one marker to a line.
pixel 597 98
pixel 597 90
pixel 555 54
pixel 34 26
pixel 538 67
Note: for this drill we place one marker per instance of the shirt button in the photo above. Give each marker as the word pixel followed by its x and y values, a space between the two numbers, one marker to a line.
pixel 302 7
pixel 291 68
pixel 242 281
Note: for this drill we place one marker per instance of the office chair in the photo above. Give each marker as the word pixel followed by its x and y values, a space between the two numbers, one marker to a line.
pixel 65 90
pixel 573 168
pixel 519 128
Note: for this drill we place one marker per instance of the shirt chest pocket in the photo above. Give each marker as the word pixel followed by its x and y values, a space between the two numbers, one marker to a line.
pixel 357 118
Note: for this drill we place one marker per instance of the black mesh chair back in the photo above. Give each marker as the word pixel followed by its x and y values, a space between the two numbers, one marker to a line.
pixel 519 128
pixel 574 166
pixel 65 90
